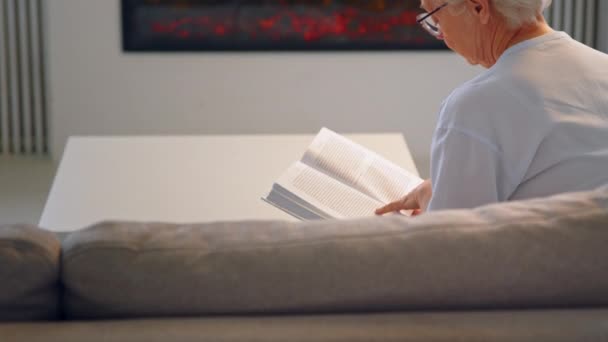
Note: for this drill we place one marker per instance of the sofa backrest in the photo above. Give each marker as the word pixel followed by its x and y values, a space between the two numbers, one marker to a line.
pixel 29 274
pixel 532 254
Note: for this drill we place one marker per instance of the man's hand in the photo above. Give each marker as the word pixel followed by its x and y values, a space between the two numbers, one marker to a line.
pixel 417 200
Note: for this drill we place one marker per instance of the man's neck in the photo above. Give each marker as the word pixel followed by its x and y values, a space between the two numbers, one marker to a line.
pixel 527 33
pixel 505 38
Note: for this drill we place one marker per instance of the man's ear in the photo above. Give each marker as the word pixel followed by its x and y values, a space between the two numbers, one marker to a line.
pixel 480 9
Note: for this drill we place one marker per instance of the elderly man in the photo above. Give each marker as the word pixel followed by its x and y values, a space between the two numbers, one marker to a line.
pixel 535 123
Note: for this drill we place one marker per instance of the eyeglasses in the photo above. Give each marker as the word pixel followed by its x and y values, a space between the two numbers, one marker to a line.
pixel 428 23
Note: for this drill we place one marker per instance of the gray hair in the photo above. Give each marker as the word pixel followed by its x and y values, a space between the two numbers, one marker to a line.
pixel 520 12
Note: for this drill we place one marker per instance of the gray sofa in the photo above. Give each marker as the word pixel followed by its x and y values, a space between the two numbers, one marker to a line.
pixel 522 271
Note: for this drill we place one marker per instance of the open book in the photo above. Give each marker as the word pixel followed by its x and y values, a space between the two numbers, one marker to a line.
pixel 337 178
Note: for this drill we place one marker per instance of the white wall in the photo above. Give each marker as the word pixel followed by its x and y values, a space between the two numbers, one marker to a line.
pixel 97 89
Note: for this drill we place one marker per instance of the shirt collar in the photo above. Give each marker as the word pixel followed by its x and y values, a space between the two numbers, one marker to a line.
pixel 533 42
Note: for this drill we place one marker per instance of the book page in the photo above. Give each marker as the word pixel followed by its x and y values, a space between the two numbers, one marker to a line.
pixel 359 167
pixel 327 194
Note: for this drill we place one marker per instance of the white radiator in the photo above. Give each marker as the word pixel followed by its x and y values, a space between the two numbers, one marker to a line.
pixel 23 119
pixel 578 18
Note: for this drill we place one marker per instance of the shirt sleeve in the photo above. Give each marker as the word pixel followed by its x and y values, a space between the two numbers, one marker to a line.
pixel 465 170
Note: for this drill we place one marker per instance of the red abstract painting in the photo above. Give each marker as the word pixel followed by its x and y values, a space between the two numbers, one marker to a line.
pixel 258 25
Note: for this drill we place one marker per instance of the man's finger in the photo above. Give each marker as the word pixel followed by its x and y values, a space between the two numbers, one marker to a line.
pixel 389 208
pixel 406 203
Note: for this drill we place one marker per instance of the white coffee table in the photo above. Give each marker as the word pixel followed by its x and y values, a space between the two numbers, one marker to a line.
pixel 181 178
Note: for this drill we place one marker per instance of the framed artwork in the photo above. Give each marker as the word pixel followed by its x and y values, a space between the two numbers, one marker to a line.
pixel 273 25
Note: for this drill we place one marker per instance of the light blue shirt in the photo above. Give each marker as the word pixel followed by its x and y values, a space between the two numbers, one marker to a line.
pixel 533 125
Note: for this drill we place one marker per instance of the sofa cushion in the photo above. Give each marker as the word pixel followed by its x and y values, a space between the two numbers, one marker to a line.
pixel 542 253
pixel 29 274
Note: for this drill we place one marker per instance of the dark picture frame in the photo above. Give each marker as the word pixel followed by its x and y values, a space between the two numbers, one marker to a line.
pixel 273 25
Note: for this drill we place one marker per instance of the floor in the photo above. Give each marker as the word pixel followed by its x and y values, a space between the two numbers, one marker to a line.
pixel 24 186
